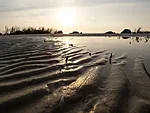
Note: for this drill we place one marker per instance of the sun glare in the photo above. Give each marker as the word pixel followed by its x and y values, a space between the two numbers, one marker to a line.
pixel 66 18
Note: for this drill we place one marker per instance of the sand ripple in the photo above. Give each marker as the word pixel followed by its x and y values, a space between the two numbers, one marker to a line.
pixel 40 75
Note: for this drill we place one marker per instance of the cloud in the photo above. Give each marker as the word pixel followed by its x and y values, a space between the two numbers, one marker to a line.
pixel 21 5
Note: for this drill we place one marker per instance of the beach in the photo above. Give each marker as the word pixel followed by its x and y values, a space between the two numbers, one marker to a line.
pixel 51 74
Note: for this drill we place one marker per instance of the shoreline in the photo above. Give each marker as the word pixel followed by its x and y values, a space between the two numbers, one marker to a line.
pixel 86 34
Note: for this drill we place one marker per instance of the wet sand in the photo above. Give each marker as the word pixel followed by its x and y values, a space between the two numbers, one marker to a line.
pixel 44 75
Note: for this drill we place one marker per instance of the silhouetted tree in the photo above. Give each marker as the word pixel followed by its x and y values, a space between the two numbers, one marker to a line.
pixel 49 30
pixel 30 30
pixel 75 32
pixel 110 32
pixel 13 29
pixel 6 30
pixel 60 32
pixel 139 30
pixel 126 31
pixel 54 31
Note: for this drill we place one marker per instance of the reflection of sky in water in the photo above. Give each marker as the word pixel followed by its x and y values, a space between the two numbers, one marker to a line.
pixel 132 46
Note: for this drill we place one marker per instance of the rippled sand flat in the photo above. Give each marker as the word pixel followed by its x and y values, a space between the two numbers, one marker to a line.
pixel 47 75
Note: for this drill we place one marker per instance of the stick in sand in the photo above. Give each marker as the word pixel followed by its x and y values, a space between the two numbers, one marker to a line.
pixel 66 59
pixel 110 58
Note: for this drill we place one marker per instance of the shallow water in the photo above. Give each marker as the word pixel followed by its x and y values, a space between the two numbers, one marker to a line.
pixel 117 45
pixel 42 73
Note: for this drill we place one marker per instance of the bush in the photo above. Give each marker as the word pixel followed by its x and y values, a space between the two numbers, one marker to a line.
pixel 75 32
pixel 60 32
pixel 110 32
pixel 14 30
pixel 126 31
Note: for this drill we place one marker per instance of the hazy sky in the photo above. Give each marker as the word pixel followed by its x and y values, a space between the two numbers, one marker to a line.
pixel 81 15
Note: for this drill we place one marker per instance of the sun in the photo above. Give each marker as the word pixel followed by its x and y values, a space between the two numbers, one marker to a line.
pixel 66 18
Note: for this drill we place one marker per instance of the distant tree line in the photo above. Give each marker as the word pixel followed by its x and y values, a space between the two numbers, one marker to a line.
pixel 128 31
pixel 14 30
pixel 145 32
pixel 139 31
